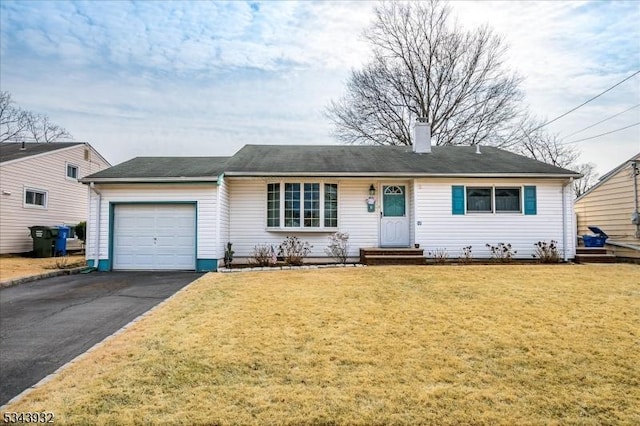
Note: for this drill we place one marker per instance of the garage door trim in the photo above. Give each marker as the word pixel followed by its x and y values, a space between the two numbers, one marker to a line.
pixel 112 212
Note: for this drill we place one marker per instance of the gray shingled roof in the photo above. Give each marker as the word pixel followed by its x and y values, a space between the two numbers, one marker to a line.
pixel 152 169
pixel 13 150
pixel 331 160
pixel 306 160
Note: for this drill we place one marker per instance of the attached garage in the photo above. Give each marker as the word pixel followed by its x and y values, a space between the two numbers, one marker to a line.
pixel 154 237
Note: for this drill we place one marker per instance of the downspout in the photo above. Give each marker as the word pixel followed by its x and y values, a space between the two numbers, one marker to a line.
pixel 565 256
pixel 97 239
pixel 636 172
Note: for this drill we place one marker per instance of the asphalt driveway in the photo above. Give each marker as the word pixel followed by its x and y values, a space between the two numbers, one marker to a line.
pixel 45 324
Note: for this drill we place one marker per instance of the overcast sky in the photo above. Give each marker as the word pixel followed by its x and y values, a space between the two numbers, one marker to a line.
pixel 206 78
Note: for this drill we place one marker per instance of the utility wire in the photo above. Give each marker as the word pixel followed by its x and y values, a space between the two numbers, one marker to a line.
pixel 586 102
pixel 602 121
pixel 602 134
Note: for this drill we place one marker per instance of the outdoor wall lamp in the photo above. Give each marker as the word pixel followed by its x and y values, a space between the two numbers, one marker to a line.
pixel 371 201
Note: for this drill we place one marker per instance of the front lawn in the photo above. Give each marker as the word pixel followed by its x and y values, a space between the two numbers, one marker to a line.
pixel 380 345
pixel 16 266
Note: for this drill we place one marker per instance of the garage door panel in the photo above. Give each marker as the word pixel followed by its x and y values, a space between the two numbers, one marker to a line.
pixel 154 237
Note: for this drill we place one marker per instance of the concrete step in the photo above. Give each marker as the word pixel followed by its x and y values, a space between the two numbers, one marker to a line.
pixel 375 251
pixel 394 260
pixel 591 250
pixel 595 258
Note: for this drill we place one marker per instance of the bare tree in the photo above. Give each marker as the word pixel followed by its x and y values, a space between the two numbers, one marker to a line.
pixel 589 178
pixel 12 119
pixel 41 129
pixel 536 143
pixel 425 66
pixel 17 125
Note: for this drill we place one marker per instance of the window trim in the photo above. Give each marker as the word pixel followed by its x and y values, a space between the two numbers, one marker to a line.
pixel 491 200
pixel 520 199
pixel 44 192
pixel 494 209
pixel 281 205
pixel 66 171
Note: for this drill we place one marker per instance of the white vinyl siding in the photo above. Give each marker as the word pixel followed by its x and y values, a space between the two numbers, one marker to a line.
pixel 248 218
pixel 67 200
pixel 204 195
pixel 440 229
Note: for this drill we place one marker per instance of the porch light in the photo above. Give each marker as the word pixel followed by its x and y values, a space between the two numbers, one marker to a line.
pixel 372 190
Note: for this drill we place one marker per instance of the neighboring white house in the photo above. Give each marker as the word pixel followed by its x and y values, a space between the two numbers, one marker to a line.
pixel 39 186
pixel 179 213
pixel 613 206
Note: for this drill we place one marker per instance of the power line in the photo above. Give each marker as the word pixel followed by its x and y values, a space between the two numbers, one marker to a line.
pixel 602 121
pixel 586 102
pixel 602 134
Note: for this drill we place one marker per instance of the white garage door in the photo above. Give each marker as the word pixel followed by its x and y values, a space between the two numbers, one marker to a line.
pixel 154 237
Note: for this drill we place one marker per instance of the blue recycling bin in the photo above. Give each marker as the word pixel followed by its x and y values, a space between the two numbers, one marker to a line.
pixel 596 240
pixel 60 247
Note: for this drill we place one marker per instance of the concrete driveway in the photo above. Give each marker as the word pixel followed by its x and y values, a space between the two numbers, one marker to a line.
pixel 45 324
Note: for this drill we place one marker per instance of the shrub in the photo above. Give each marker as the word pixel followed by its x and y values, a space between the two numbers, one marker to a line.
pixel 439 256
pixel 81 231
pixel 466 256
pixel 228 256
pixel 263 255
pixel 502 253
pixel 338 246
pixel 546 252
pixel 294 251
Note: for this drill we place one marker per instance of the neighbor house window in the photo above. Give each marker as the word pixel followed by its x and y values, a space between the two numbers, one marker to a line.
pixel 35 198
pixel 72 171
pixel 507 200
pixel 479 200
pixel 302 205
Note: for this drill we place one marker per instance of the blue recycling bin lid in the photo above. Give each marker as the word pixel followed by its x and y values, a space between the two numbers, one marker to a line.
pixel 597 231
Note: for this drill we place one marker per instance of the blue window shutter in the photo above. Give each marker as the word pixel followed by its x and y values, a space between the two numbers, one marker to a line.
pixel 530 203
pixel 457 199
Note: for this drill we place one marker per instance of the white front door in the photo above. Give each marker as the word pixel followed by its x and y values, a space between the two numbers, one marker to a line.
pixel 154 237
pixel 394 222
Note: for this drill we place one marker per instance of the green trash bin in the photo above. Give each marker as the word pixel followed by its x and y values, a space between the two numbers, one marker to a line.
pixel 44 238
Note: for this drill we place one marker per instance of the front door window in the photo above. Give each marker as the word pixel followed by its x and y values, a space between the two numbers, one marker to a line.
pixel 393 201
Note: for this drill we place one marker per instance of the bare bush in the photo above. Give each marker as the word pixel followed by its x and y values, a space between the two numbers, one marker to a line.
pixel 338 246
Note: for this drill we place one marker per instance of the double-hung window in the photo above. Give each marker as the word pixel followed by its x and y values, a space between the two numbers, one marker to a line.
pixel 307 205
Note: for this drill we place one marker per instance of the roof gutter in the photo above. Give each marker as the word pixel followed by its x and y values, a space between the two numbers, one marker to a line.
pixel 405 175
pixel 181 179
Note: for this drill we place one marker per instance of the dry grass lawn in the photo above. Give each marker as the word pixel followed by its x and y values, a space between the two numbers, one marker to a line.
pixel 528 344
pixel 17 266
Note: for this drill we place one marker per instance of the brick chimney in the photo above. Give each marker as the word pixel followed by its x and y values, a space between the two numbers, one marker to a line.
pixel 422 136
